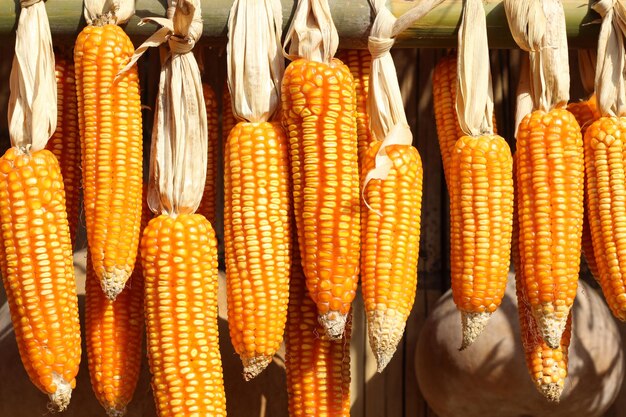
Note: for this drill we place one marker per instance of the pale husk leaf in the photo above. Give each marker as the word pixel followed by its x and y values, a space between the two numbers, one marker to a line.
pixel 384 102
pixel 474 98
pixel 108 11
pixel 312 34
pixel 538 27
pixel 179 137
pixel 254 56
pixel 524 103
pixel 610 66
pixel 33 97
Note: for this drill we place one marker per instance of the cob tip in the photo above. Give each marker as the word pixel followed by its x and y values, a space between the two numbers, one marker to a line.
pixel 114 412
pixel 113 283
pixel 385 330
pixel 60 399
pixel 552 391
pixel 333 323
pixel 254 366
pixel 552 327
pixel 473 325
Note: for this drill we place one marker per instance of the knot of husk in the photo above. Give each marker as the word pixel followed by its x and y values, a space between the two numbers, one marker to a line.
pixel 312 34
pixel 538 27
pixel 105 12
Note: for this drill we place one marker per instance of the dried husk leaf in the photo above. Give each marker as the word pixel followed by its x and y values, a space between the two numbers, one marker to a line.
pixel 610 66
pixel 384 102
pixel 524 103
pixel 179 135
pixel 538 27
pixel 99 12
pixel 312 34
pixel 474 98
pixel 254 56
pixel 33 97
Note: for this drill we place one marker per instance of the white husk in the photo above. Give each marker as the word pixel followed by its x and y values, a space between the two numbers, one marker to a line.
pixel 538 26
pixel 179 135
pixel 33 98
pixel 474 98
pixel 610 68
pixel 524 103
pixel 254 56
pixel 384 102
pixel 312 33
pixel 118 11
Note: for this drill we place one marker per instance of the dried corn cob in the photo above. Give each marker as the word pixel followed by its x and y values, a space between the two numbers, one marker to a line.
pixel 114 332
pixel 550 190
pixel 319 106
pixel 359 61
pixel 586 112
pixel 257 240
pixel 38 270
pixel 391 229
pixel 318 369
pixel 65 142
pixel 547 366
pixel 481 216
pixel 444 99
pixel 111 149
pixel 207 205
pixel 181 315
pixel 605 155
pixel 228 117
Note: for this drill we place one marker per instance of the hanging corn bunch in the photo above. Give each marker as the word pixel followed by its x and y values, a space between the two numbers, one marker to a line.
pixel 319 111
pixel 392 191
pixel 549 171
pixel 65 142
pixel 109 111
pixel 114 334
pixel 481 186
pixel 257 204
pixel 35 245
pixel 178 248
pixel 605 159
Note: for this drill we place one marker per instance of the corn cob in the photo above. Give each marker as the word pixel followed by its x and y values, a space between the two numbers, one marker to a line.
pixel 359 61
pixel 257 240
pixel 65 142
pixel 481 216
pixel 605 168
pixel 228 117
pixel 181 315
pixel 111 149
pixel 390 248
pixel 318 369
pixel 38 270
pixel 207 205
pixel 444 103
pixel 547 367
pixel 319 107
pixel 114 331
pixel 444 99
pixel 586 112
pixel 550 189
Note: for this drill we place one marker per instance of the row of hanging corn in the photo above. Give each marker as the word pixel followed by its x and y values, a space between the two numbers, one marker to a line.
pixel 301 172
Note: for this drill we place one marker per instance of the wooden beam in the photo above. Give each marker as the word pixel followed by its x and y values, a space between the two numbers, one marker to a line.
pixel 353 19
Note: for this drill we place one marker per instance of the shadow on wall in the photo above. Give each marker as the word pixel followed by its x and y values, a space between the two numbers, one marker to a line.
pixel 20 398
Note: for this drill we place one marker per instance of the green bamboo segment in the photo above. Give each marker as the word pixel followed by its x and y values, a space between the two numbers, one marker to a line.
pixel 353 19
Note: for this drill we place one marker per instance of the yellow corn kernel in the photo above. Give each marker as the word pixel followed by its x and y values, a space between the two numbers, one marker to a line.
pixel 207 205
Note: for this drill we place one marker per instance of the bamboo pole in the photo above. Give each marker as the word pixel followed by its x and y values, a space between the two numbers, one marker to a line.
pixel 352 17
